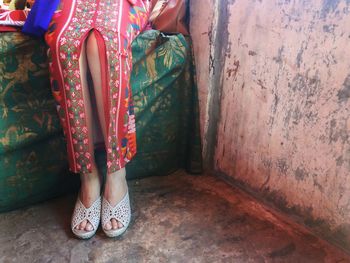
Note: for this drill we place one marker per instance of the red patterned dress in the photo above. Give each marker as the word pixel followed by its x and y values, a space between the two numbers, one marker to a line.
pixel 117 22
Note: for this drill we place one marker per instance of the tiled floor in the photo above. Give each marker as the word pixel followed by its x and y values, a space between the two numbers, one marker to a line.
pixel 176 218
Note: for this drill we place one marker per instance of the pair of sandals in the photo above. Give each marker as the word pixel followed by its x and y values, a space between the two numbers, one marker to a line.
pixel 102 210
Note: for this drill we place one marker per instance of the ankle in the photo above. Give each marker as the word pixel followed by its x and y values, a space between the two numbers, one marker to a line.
pixel 90 177
pixel 116 176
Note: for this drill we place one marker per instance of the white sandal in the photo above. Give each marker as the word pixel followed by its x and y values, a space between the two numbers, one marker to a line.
pixel 92 214
pixel 121 212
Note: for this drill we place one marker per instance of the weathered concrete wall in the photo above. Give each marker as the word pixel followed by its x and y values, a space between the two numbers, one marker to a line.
pixel 202 13
pixel 274 87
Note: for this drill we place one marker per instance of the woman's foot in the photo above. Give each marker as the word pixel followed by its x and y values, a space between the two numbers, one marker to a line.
pixel 115 189
pixel 89 191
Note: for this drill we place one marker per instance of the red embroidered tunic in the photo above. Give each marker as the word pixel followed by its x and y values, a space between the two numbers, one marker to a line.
pixel 118 22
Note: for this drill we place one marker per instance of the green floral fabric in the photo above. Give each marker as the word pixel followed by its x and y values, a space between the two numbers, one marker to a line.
pixel 33 164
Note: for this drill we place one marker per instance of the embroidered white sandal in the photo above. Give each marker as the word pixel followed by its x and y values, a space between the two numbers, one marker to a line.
pixel 92 214
pixel 121 212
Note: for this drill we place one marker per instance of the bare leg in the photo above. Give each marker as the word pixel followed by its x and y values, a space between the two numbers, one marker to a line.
pixel 116 185
pixel 90 182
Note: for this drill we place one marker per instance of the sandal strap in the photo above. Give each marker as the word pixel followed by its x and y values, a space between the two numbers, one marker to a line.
pixel 120 211
pixel 92 214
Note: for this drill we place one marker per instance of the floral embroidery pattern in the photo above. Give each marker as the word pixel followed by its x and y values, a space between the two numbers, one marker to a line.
pixel 118 22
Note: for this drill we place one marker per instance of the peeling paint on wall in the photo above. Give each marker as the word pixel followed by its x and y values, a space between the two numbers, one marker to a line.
pixel 274 87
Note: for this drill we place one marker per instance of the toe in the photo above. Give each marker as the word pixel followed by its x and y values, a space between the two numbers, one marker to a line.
pixel 108 226
pixel 88 227
pixel 114 223
pixel 83 225
pixel 120 225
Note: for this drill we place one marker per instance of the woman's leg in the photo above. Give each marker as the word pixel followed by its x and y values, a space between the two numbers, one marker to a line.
pixel 90 182
pixel 116 185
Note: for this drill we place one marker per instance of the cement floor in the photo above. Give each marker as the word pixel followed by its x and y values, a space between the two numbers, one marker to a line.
pixel 176 218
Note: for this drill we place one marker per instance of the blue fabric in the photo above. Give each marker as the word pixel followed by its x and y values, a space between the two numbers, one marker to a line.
pixel 39 17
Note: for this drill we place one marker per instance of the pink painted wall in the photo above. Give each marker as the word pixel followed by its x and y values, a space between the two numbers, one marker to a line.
pixel 274 91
